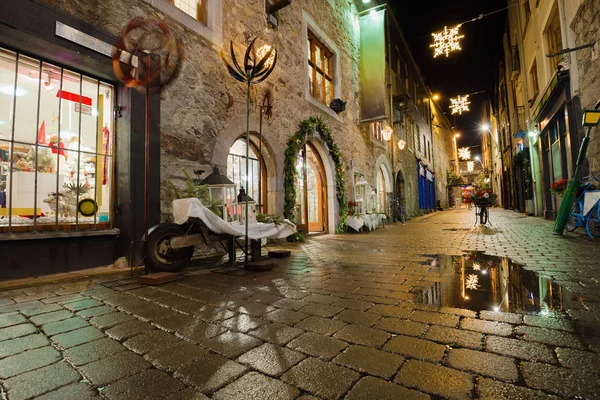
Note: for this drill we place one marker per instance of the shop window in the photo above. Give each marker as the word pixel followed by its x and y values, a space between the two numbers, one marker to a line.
pixel 533 76
pixel 320 70
pixel 554 38
pixel 56 141
pixel 256 174
pixel 194 8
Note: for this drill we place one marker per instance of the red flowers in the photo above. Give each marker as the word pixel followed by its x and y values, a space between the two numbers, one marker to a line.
pixel 559 187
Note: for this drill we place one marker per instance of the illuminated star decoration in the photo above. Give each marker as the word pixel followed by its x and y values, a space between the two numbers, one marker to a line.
pixel 446 41
pixel 460 104
pixel 477 267
pixel 464 153
pixel 470 166
pixel 472 282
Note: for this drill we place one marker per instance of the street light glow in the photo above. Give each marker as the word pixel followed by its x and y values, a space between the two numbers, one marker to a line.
pixel 485 127
pixel 436 97
pixel 477 158
pixel 457 135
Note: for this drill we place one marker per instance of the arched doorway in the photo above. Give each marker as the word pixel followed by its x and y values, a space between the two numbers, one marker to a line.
pixel 311 191
pixel 384 189
pixel 256 174
pixel 400 192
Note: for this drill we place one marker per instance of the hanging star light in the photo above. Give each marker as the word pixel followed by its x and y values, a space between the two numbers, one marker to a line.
pixel 387 133
pixel 460 104
pixel 464 153
pixel 471 166
pixel 472 282
pixel 477 267
pixel 446 41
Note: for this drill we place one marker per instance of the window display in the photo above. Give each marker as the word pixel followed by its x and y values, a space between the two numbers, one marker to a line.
pixel 55 147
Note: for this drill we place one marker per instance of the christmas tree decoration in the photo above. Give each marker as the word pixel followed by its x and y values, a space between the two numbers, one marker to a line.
pixel 460 104
pixel 472 282
pixel 471 166
pixel 446 41
pixel 464 153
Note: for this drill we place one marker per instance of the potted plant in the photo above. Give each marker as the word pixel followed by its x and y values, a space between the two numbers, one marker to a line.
pixel 559 187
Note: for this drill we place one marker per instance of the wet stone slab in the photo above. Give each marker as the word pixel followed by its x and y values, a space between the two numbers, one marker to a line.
pixel 373 388
pixel 320 378
pixel 255 386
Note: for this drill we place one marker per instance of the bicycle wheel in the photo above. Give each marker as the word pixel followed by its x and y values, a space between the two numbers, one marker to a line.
pixel 572 218
pixel 483 215
pixel 592 224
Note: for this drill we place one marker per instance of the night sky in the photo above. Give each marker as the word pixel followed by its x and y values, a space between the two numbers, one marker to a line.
pixel 471 70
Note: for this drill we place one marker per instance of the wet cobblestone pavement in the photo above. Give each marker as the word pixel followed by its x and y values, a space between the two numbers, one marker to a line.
pixel 335 320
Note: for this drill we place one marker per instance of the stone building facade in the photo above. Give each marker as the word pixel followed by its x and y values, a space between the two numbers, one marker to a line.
pixel 199 121
pixel 586 24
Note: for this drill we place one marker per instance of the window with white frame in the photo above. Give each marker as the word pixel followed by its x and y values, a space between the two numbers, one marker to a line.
pixel 56 147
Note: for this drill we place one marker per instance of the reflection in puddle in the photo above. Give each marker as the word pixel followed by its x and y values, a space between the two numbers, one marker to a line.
pixel 477 281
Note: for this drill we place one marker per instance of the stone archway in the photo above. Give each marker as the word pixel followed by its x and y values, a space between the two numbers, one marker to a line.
pixel 317 132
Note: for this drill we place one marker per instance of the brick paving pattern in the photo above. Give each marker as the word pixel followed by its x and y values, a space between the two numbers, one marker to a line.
pixel 335 320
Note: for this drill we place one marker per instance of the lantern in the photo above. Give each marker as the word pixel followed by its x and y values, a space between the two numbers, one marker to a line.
pixel 361 191
pixel 221 192
pixel 401 144
pixel 387 133
pixel 241 199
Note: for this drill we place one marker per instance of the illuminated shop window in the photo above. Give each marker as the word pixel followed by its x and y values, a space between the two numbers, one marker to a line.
pixel 56 147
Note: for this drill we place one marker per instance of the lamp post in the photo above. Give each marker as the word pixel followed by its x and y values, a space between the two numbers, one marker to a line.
pixel 591 118
pixel 456 169
pixel 258 65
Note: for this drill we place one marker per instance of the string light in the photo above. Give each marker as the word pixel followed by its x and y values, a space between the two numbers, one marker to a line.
pixel 464 153
pixel 460 104
pixel 446 41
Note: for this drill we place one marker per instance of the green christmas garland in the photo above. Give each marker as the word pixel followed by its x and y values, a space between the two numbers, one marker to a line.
pixel 307 129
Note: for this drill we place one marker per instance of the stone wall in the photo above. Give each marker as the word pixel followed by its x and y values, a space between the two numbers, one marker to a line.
pixel 198 128
pixel 586 25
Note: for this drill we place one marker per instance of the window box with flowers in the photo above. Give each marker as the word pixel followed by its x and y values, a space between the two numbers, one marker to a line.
pixel 559 187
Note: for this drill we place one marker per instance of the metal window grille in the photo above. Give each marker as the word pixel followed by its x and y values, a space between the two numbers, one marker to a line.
pixel 46 113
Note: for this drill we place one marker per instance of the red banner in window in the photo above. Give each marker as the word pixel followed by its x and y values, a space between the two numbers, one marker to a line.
pixel 74 97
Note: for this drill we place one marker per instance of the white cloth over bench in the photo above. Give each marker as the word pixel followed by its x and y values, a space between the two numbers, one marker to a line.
pixel 183 209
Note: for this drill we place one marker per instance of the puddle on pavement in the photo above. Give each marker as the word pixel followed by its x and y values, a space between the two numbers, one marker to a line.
pixel 477 281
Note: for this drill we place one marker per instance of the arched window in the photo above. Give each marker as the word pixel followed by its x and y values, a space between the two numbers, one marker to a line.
pixel 256 174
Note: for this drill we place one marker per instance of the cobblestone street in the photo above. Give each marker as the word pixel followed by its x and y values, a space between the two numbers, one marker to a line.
pixel 335 320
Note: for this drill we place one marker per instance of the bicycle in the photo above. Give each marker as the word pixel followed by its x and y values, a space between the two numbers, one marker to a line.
pixel 400 214
pixel 578 216
pixel 483 214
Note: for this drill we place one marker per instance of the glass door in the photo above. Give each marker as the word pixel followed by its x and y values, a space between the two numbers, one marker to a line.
pixel 311 191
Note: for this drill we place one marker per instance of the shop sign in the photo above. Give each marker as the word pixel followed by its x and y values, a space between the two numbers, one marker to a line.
pixel 92 43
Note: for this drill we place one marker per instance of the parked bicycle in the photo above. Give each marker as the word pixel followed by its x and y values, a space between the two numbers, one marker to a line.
pixel 400 214
pixel 586 208
pixel 482 212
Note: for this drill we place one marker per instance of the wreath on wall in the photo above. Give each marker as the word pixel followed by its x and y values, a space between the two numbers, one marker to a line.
pixel 308 128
